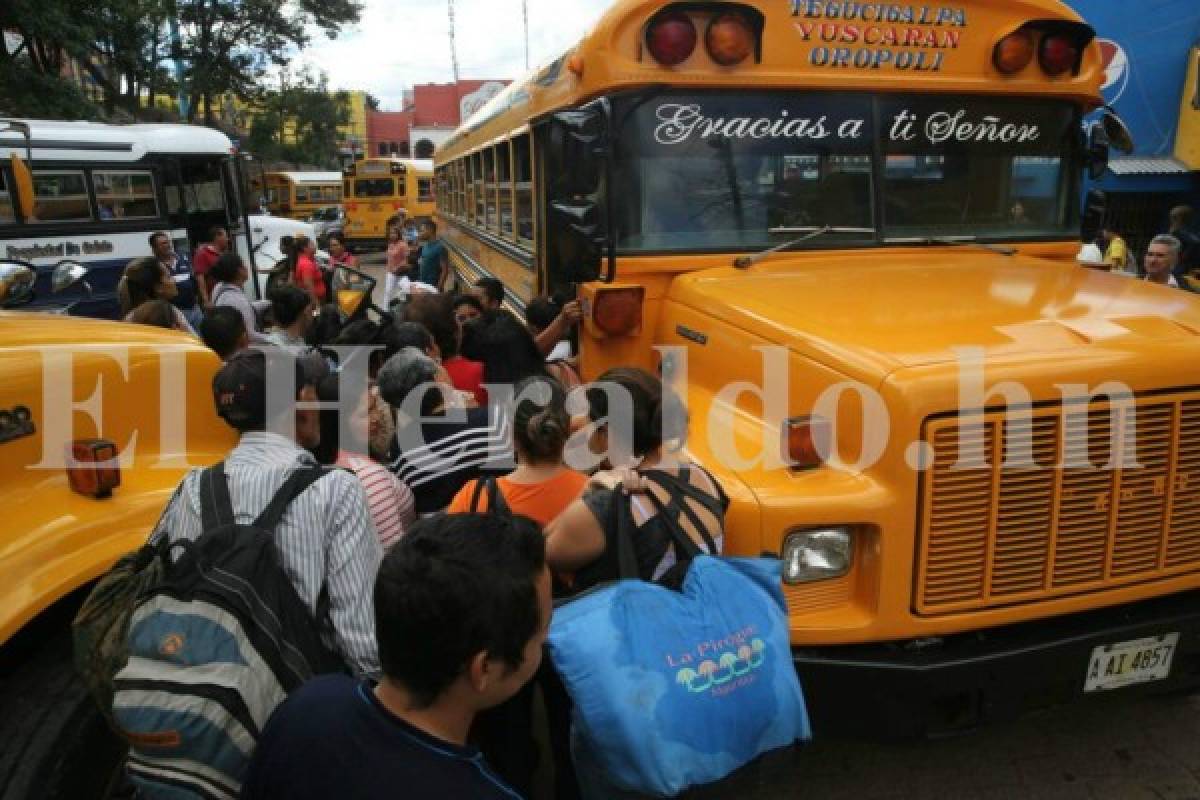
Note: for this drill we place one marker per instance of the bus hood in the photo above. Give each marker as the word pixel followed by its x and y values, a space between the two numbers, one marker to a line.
pixel 878 312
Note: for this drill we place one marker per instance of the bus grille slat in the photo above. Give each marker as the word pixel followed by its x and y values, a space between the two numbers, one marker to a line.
pixel 1084 498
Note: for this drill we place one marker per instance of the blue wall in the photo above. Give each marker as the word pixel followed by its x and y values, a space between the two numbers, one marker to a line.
pixel 1156 36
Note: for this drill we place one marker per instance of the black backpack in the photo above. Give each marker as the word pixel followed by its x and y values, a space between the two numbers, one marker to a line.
pixel 214 647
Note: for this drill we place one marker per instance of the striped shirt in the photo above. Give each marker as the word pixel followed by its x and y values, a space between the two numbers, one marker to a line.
pixel 390 501
pixel 232 295
pixel 438 456
pixel 324 539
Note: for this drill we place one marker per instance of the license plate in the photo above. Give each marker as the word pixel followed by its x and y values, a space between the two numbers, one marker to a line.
pixel 1127 663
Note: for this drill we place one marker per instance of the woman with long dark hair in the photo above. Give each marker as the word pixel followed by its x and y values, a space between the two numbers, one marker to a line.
pixel 147 279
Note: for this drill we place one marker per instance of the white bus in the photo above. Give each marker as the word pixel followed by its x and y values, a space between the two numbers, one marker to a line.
pixel 98 191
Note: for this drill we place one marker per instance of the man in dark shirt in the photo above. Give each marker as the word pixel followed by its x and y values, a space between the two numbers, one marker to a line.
pixel 1189 253
pixel 462 606
pixel 433 266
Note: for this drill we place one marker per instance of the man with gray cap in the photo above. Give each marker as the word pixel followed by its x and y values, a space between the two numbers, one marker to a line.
pixel 325 539
pixel 440 445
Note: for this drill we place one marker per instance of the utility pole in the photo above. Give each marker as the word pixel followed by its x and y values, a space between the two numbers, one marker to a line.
pixel 453 52
pixel 525 20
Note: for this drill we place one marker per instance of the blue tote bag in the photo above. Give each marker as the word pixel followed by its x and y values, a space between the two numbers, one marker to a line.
pixel 673 689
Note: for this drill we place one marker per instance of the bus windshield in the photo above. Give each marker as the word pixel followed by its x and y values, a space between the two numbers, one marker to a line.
pixel 724 171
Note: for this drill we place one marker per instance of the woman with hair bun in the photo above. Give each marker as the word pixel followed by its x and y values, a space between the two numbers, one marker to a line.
pixel 540 487
pixel 656 478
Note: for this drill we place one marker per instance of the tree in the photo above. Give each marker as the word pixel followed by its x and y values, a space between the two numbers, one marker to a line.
pixel 372 102
pixel 230 44
pixel 117 44
pixel 299 122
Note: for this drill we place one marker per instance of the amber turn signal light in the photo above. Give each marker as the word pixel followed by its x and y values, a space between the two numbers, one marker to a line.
pixel 1014 52
pixel 729 39
pixel 671 38
pixel 806 442
pixel 618 311
pixel 92 467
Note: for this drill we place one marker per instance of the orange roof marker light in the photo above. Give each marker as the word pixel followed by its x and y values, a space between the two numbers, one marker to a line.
pixel 730 39
pixel 1014 52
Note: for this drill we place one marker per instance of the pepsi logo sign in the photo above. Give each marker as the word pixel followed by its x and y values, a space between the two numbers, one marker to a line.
pixel 1116 69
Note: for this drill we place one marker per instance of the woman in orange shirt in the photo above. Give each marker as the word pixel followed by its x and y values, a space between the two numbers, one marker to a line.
pixel 540 487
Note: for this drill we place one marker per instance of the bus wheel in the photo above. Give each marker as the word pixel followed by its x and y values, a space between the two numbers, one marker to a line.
pixel 56 743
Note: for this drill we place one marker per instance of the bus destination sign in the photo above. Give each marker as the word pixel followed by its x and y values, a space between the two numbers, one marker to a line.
pixel 856 35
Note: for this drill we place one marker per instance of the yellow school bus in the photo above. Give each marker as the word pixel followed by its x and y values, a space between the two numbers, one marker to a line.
pixel 377 189
pixel 299 194
pixel 846 232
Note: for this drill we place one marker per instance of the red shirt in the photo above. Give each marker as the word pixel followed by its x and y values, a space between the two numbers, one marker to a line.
pixel 206 256
pixel 467 376
pixel 307 269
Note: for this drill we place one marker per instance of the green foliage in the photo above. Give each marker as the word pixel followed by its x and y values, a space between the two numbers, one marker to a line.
pixel 125 48
pixel 27 93
pixel 230 44
pixel 299 123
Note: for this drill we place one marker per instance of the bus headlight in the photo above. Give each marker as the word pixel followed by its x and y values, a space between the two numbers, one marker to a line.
pixel 817 555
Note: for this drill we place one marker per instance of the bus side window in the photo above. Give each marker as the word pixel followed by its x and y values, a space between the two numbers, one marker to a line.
pixel 504 187
pixel 491 218
pixel 477 189
pixel 7 215
pixel 61 196
pixel 125 194
pixel 523 173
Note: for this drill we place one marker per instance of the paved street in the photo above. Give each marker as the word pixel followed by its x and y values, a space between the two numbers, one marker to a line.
pixel 1119 748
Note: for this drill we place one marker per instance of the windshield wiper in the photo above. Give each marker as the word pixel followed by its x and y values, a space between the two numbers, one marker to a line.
pixel 810 232
pixel 951 241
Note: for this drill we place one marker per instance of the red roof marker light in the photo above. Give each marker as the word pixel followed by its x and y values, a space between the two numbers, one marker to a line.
pixel 671 38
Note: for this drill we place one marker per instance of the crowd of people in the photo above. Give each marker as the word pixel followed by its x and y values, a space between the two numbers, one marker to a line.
pixel 432 553
pixel 435 548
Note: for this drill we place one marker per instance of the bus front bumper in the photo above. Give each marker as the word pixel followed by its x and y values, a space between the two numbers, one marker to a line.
pixel 939 686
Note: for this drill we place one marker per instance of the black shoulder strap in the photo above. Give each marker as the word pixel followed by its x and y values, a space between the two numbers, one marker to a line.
pixel 296 483
pixel 679 490
pixel 621 525
pixel 475 495
pixel 496 502
pixel 216 509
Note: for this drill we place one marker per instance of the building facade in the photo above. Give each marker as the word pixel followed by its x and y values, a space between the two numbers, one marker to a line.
pixel 431 113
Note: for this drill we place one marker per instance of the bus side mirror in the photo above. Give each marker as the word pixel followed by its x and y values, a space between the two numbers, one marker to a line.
pixel 580 138
pixel 578 148
pixel 1117 132
pixel 1095 209
pixel 23 184
pixel 1097 151
pixel 582 238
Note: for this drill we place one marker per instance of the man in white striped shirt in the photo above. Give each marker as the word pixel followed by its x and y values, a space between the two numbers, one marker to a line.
pixel 325 539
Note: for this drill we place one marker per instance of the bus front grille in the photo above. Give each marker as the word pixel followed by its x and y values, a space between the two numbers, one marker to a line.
pixel 1058 500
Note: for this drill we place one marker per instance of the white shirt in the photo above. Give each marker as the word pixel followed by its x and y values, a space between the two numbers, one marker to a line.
pixel 326 537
